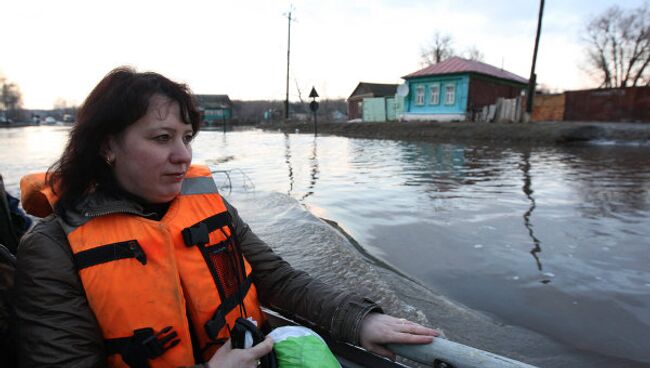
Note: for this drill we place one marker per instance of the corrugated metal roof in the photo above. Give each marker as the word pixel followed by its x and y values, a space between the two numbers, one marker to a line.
pixel 213 101
pixel 374 90
pixel 457 65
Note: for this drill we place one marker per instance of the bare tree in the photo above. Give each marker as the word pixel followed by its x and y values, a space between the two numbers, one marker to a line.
pixel 64 109
pixel 618 47
pixel 473 53
pixel 438 50
pixel 10 97
pixel 299 91
pixel 60 103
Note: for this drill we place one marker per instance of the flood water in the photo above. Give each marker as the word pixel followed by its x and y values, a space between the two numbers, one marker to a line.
pixel 552 239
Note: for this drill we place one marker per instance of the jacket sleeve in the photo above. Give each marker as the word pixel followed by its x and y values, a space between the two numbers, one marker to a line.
pixel 55 325
pixel 296 293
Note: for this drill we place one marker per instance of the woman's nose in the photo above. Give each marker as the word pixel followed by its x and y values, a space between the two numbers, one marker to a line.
pixel 182 153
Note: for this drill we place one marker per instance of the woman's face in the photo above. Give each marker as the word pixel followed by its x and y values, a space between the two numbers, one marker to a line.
pixel 151 156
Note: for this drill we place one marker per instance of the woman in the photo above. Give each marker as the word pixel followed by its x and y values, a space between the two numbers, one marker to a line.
pixel 144 263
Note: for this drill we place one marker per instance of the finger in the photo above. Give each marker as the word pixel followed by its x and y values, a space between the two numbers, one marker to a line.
pixel 417 329
pixel 408 338
pixel 227 346
pixel 262 348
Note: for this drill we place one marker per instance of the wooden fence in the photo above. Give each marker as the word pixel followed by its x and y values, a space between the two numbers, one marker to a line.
pixel 504 110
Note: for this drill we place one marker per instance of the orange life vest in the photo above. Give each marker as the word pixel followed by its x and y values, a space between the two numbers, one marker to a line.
pixel 36 197
pixel 144 278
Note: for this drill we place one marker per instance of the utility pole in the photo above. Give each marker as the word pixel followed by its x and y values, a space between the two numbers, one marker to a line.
pixel 286 100
pixel 533 77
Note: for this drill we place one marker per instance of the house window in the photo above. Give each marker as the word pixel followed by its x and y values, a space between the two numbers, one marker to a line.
pixel 435 94
pixel 419 95
pixel 450 94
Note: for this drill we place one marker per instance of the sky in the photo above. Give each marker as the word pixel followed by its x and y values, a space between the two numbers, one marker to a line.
pixel 60 49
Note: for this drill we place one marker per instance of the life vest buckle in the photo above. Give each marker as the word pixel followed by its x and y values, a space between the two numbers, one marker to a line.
pixel 157 344
pixel 215 324
pixel 138 253
pixel 196 234
pixel 143 346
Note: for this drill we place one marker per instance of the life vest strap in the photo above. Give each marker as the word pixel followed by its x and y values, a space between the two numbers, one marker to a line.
pixel 143 345
pixel 109 253
pixel 199 233
pixel 218 320
pixel 238 333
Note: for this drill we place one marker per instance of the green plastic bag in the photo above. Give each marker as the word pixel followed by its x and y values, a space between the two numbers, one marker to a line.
pixel 300 347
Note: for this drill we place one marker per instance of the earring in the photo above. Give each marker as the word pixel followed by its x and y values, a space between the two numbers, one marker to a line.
pixel 109 161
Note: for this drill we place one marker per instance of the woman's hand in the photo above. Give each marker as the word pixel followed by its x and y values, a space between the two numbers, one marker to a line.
pixel 378 329
pixel 227 357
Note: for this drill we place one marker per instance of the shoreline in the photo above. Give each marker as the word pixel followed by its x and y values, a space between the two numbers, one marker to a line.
pixel 535 133
pixel 17 125
pixel 468 132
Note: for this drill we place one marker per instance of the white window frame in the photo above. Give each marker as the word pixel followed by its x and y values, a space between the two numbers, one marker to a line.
pixel 419 95
pixel 435 87
pixel 450 94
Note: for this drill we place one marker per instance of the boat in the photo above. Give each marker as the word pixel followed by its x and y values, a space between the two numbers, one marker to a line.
pixel 441 353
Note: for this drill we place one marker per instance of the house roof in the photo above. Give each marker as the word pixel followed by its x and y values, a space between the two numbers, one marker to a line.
pixel 373 90
pixel 213 101
pixel 455 65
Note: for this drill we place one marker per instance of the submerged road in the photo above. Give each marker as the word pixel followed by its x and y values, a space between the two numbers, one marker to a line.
pixel 524 133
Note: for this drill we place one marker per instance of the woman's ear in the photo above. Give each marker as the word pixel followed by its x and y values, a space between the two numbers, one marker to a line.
pixel 108 151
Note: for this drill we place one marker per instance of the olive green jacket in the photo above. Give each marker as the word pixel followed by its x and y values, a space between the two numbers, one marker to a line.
pixel 56 327
pixel 8 234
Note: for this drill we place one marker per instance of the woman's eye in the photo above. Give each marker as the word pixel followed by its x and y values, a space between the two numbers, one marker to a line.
pixel 188 138
pixel 162 138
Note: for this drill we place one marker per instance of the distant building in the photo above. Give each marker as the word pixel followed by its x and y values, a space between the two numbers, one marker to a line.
pixel 214 109
pixel 368 90
pixel 454 88
pixel 338 115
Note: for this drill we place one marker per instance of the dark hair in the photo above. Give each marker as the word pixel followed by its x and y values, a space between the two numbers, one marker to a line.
pixel 119 100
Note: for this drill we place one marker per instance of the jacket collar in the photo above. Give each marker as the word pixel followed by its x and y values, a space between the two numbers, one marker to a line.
pixel 101 203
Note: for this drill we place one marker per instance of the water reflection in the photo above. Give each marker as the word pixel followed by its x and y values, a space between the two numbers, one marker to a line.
pixel 313 174
pixel 438 167
pixel 312 162
pixel 611 182
pixel 287 160
pixel 449 167
pixel 485 164
pixel 524 166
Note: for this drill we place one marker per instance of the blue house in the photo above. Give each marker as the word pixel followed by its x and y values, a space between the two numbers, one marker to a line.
pixel 214 109
pixel 453 89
